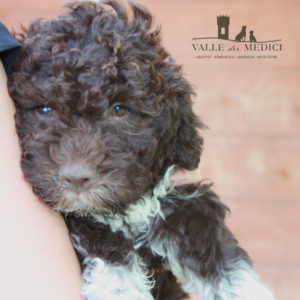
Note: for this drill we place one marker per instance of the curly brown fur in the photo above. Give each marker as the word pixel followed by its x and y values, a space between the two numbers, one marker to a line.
pixel 81 65
pixel 103 169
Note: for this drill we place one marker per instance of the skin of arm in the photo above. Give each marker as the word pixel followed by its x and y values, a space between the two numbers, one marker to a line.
pixel 37 257
pixel 183 177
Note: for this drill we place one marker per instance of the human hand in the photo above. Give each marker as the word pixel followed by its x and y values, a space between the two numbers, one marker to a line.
pixel 182 176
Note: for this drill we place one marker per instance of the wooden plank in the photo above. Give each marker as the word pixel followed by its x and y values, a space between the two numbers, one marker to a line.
pixel 254 168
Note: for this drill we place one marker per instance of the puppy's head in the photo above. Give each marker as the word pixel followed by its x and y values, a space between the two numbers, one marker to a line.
pixel 102 108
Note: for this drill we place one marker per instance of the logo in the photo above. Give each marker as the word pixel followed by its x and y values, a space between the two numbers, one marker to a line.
pixel 244 41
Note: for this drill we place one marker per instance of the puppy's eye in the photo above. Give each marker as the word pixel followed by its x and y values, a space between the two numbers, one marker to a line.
pixel 44 111
pixel 119 111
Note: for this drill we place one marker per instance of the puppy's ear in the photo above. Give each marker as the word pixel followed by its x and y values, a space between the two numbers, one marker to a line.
pixel 189 143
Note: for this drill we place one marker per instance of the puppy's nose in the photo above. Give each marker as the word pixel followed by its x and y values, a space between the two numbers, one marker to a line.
pixel 77 177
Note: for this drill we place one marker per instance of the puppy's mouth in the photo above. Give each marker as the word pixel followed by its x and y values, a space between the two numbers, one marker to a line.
pixel 79 195
pixel 83 195
pixel 94 199
pixel 79 189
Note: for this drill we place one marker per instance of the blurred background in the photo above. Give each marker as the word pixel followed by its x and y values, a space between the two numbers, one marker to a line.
pixel 252 109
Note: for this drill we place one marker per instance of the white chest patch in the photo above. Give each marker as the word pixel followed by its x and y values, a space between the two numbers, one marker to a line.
pixel 140 214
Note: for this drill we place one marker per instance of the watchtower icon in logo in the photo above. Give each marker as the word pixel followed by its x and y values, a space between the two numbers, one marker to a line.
pixel 223 27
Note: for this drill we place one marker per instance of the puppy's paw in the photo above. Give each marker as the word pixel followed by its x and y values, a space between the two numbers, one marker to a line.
pixel 105 282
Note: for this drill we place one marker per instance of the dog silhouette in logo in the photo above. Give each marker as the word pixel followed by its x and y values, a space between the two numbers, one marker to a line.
pixel 241 35
pixel 252 37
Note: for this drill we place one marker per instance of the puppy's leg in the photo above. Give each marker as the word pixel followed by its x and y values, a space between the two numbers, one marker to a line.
pixel 112 269
pixel 199 249
pixel 166 286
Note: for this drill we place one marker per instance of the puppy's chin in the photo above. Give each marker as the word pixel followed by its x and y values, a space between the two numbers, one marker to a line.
pixel 99 199
pixel 82 203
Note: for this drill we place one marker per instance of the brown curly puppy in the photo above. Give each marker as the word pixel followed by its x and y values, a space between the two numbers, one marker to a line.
pixel 103 115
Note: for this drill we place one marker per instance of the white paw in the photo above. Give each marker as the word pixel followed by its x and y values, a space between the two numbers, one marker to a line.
pixel 105 282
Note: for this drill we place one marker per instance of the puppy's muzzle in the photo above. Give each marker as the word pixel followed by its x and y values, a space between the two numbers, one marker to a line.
pixel 77 177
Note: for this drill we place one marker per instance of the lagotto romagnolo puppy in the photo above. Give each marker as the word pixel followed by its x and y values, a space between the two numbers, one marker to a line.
pixel 103 115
